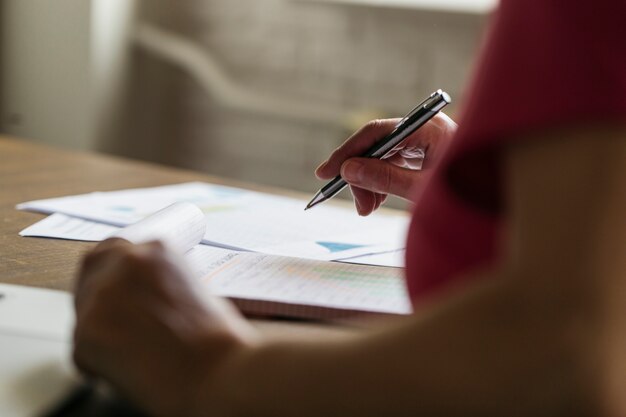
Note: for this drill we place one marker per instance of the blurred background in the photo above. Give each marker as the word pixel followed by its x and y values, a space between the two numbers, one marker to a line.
pixel 256 90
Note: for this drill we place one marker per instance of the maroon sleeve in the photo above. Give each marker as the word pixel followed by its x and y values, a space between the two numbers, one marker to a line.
pixel 546 64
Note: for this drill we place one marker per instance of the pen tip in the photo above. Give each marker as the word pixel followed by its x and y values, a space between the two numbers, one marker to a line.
pixel 319 197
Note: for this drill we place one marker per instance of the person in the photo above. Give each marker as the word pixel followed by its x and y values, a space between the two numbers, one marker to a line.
pixel 515 259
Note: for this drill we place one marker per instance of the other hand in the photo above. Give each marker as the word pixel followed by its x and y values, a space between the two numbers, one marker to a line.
pixel 371 180
pixel 144 326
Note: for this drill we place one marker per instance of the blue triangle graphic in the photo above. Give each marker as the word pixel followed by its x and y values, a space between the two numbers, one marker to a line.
pixel 339 247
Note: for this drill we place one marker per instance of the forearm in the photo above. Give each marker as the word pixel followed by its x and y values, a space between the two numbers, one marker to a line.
pixel 485 353
pixel 544 337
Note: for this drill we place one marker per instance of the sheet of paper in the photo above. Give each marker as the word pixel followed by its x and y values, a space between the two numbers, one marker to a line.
pixel 60 226
pixel 180 226
pixel 35 346
pixel 241 219
pixel 346 246
pixel 36 312
pixel 301 281
pixel 203 258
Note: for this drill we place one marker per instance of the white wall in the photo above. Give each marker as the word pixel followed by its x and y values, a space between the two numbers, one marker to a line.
pixel 45 74
pixel 350 57
pixel 63 77
pixel 111 26
pixel 62 68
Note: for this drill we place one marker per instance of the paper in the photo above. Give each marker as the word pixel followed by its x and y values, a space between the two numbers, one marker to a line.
pixel 244 220
pixel 60 226
pixel 36 312
pixel 301 281
pixel 180 226
pixel 345 246
pixel 35 345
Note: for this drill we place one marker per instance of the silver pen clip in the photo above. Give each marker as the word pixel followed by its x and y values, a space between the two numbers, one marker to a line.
pixel 437 101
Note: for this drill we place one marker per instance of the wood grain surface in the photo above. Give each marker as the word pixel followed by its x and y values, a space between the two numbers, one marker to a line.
pixel 30 171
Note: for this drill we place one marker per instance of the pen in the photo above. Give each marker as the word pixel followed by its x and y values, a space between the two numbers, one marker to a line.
pixel 422 113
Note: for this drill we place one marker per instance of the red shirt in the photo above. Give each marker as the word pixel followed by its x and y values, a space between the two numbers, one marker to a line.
pixel 546 63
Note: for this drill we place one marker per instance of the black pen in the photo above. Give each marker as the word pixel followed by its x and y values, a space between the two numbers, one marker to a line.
pixel 422 113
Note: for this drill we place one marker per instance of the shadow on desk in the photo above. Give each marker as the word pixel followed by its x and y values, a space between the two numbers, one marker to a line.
pixel 85 401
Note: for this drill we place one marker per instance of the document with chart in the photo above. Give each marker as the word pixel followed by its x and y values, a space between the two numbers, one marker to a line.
pixel 262 284
pixel 236 219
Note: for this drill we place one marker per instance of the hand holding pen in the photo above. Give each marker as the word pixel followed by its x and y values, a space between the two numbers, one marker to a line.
pixel 371 178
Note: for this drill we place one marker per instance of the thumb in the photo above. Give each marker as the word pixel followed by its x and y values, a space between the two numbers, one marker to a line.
pixel 379 176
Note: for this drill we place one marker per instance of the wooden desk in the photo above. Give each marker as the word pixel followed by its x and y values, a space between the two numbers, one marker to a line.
pixel 29 171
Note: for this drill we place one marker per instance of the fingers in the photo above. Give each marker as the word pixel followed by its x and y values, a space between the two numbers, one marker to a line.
pixel 356 145
pixel 95 261
pixel 108 260
pixel 142 327
pixel 117 280
pixel 436 138
pixel 379 177
pixel 398 174
pixel 365 201
pixel 433 137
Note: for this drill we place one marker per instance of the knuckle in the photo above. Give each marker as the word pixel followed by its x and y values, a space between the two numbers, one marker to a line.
pixel 444 122
pixel 373 125
pixel 134 259
pixel 107 291
pixel 91 259
pixel 96 325
pixel 379 176
pixel 155 251
pixel 141 264
pixel 101 253
pixel 156 245
pixel 383 178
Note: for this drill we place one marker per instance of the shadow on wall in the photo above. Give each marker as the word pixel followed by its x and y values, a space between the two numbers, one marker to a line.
pixel 375 61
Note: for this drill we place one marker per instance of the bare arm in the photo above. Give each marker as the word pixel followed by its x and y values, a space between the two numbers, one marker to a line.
pixel 541 334
pixel 535 338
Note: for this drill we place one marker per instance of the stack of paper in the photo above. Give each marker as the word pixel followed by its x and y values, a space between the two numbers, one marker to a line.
pixel 236 219
pixel 263 284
